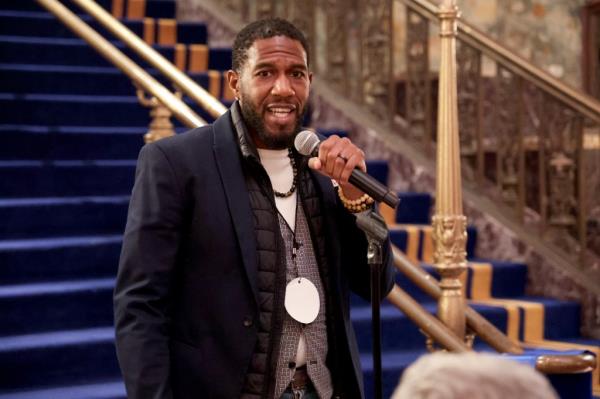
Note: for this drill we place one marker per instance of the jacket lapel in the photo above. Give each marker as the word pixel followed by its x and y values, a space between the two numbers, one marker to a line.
pixel 227 157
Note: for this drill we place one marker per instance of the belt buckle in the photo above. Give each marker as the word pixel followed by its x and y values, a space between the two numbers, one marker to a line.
pixel 299 383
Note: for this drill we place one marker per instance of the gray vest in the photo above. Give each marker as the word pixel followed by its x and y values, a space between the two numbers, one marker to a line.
pixel 315 333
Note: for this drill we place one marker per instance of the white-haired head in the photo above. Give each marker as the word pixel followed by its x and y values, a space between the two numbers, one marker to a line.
pixel 471 375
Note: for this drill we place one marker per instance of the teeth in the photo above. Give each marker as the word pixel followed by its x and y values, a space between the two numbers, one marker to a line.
pixel 280 110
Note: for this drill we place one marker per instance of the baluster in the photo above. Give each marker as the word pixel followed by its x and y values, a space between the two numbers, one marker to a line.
pixel 449 223
pixel 542 184
pixel 582 205
pixel 469 109
pixel 562 169
pixel 337 73
pixel 418 83
pixel 302 15
pixel 376 53
pixel 520 138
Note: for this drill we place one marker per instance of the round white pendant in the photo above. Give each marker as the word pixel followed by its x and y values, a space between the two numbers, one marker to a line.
pixel 302 300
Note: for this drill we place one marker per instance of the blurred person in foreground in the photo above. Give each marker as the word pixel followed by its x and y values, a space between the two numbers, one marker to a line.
pixel 239 254
pixel 471 375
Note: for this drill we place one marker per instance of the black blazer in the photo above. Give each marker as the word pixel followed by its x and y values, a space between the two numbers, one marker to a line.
pixel 186 292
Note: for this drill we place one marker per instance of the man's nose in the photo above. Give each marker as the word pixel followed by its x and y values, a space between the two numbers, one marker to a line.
pixel 282 87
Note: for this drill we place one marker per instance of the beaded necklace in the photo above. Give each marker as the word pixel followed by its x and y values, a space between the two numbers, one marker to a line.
pixel 295 172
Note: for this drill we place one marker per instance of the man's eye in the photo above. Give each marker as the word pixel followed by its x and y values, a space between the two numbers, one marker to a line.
pixel 264 74
pixel 297 74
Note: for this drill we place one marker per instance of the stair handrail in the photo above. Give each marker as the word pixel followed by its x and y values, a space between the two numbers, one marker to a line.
pixel 581 102
pixel 137 74
pixel 197 93
pixel 469 34
pixel 429 285
pixel 433 327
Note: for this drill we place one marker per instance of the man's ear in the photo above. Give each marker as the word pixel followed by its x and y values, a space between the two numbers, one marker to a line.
pixel 310 76
pixel 233 80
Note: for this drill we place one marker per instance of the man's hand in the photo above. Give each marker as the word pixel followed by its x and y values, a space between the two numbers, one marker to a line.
pixel 337 159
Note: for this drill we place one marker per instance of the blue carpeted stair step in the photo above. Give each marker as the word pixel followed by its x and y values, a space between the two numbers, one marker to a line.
pixel 511 275
pixel 399 332
pixel 192 32
pixel 219 58
pixel 77 110
pixel 71 110
pixel 160 8
pixel 393 365
pixel 57 358
pixel 112 389
pixel 379 169
pixel 62 216
pixel 60 258
pixel 59 51
pixel 56 305
pixel 414 208
pixel 44 24
pixel 66 178
pixel 508 278
pixel 70 142
pixel 61 79
pixel 561 320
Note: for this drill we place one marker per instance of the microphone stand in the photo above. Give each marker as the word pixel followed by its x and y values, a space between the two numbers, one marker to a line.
pixel 376 232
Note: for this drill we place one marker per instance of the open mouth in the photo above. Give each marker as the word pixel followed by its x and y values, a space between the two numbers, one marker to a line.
pixel 281 110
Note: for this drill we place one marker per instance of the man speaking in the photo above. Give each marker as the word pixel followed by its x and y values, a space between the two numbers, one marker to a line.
pixel 239 254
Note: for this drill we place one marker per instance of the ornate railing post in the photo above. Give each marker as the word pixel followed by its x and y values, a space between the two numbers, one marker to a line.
pixel 449 223
pixel 160 124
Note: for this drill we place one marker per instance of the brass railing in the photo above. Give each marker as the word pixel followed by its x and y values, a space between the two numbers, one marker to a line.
pixel 162 102
pixel 139 76
pixel 196 92
pixel 430 286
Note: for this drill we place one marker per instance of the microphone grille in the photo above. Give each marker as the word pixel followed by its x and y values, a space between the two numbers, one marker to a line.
pixel 306 142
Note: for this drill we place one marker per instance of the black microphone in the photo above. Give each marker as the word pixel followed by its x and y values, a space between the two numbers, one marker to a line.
pixel 307 143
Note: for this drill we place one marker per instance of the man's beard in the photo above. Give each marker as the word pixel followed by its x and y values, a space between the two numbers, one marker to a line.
pixel 274 141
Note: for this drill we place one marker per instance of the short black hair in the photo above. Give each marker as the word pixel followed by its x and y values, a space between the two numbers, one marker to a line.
pixel 263 29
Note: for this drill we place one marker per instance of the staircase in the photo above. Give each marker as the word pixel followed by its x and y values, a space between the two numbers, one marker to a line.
pixel 71 128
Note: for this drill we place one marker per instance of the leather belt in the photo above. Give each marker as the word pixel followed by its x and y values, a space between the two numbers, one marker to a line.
pixel 300 379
